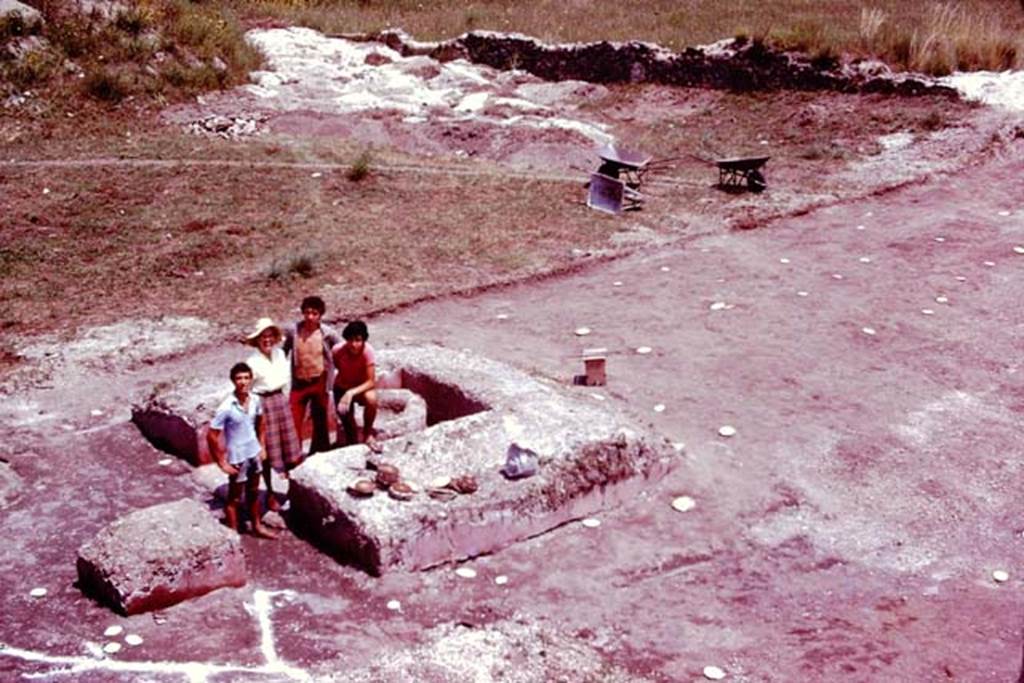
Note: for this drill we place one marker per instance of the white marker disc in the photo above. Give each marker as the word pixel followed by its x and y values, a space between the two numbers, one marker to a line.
pixel 394 605
pixel 861 227
pixel 112 648
pixel 717 306
pixel 941 300
pixel 665 269
pixel 727 430
pixel 164 462
pixel 582 331
pixel 95 412
pixel 501 579
pixel 683 504
pixel 989 263
pixel 940 239
pixel 617 283
pixel 502 316
pixel 1000 576
pixel 783 260
pixel 591 522
pixel 316 175
pixel 927 311
pixel 659 408
pixel 837 276
pixel 112 631
pixel 133 639
pixel 38 592
pixel 713 673
pixel 1018 250
pixel 802 293
pixel 597 397
pixel 961 278
pixel 679 446
pixel 466 572
pixel 643 350
pixel 1004 213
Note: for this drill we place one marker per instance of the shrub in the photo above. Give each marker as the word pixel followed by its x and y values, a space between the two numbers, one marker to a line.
pixel 133 20
pixel 360 168
pixel 302 265
pixel 106 84
pixel 31 69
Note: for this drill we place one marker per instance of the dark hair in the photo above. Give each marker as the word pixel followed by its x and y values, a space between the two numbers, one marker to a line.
pixel 239 368
pixel 314 302
pixel 356 328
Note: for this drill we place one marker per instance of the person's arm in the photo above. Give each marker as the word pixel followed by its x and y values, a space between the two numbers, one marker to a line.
pixel 261 433
pixel 289 339
pixel 369 383
pixel 213 443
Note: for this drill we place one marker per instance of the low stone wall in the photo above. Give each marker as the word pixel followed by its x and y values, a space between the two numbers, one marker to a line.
pixel 591 456
pixel 741 65
pixel 159 556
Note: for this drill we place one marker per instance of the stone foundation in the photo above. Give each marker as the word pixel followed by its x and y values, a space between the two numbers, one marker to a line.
pixel 159 556
pixel 591 457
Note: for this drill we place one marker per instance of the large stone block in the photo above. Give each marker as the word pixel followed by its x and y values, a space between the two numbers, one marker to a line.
pixel 592 457
pixel 159 556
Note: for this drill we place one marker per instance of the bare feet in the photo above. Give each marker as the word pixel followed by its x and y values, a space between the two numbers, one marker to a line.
pixel 262 532
pixel 272 502
pixel 374 445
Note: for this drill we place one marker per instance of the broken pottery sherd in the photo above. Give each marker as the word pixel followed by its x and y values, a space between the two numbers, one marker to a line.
pixel 362 488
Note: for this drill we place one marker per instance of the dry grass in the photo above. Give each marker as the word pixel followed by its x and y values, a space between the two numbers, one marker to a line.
pixel 912 34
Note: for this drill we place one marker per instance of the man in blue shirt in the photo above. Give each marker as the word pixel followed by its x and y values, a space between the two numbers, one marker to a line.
pixel 239 418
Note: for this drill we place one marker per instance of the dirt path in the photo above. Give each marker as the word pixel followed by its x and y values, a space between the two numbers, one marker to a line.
pixel 867 355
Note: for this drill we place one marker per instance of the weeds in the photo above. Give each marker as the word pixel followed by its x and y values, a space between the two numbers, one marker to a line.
pixel 106 85
pixel 302 265
pixel 360 168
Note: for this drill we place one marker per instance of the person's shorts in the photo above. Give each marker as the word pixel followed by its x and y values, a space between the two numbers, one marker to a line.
pixel 249 469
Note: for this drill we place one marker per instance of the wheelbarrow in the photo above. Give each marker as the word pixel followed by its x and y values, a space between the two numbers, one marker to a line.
pixel 737 173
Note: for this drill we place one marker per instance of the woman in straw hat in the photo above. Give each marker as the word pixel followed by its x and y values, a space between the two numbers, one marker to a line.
pixel 271 373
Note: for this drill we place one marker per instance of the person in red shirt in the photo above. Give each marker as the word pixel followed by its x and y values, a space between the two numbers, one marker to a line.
pixel 355 382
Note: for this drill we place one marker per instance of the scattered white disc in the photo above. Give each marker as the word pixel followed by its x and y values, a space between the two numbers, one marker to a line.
pixel 727 430
pixel 643 350
pixel 683 504
pixel 394 605
pixel 989 263
pixel 112 648
pixel 582 331
pixel 1004 213
pixel 940 239
pixel 679 446
pixel 927 311
pixel 466 572
pixel 713 673
pixel 617 283
pixel 46 190
pixel 961 278
pixel 315 175
pixel 133 639
pixel 802 293
pixel 665 269
pixel 783 260
pixel 865 259
pixel 869 214
pixel 942 300
pixel 659 408
pixel 591 522
pixel 502 316
pixel 164 462
pixel 868 331
pixel 38 592
pixel 501 579
pixel 113 631
pixel 95 412
pixel 597 397
pixel 837 276
pixel 861 227
pixel 1018 249
pixel 1000 576
pixel 717 306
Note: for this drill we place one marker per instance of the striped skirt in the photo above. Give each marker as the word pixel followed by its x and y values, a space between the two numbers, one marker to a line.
pixel 283 448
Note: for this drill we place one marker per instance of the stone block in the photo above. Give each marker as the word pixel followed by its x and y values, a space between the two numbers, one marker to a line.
pixel 173 416
pixel 212 479
pixel 400 412
pixel 591 457
pixel 29 15
pixel 159 556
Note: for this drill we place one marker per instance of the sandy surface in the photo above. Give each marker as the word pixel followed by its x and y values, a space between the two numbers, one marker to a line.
pixel 848 531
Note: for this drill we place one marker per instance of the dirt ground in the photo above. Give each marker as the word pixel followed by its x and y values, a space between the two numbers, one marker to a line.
pixel 848 531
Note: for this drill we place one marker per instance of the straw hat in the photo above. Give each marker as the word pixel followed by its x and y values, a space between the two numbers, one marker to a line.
pixel 262 325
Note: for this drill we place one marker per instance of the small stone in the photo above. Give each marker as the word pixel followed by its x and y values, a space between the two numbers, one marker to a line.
pixel 643 350
pixel 133 639
pixel 394 605
pixel 1004 213
pixel 941 300
pixel 683 504
pixel 501 579
pixel 164 462
pixel 1000 576
pixel 591 522
pixel 665 269
pixel 727 430
pixel 617 283
pixel 46 190
pixel 865 259
pixel 783 260
pixel 803 293
pixel 940 239
pixel 961 278
pixel 679 446
pixel 989 263
pixel 582 331
pixel 112 631
pixel 659 408
pixel 38 592
pixel 95 412
pixel 112 648
pixel 713 673
pixel 869 214
pixel 502 316
pixel 837 276
pixel 861 227
pixel 1018 249
pixel 466 572
pixel 717 306
pixel 318 174
pixel 870 331
pixel 597 397
pixel 927 311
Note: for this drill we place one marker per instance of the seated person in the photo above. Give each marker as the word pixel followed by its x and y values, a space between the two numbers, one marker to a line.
pixel 355 382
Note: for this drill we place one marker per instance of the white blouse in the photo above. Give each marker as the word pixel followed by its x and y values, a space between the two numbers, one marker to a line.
pixel 269 374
